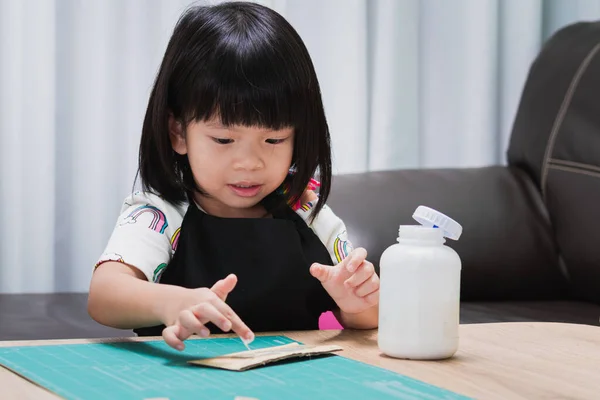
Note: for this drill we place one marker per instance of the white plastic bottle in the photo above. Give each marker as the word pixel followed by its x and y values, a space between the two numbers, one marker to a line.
pixel 419 295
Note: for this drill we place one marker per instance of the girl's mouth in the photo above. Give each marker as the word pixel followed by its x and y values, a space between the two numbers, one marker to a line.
pixel 245 190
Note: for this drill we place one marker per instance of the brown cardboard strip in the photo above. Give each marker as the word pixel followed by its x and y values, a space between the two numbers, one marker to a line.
pixel 245 360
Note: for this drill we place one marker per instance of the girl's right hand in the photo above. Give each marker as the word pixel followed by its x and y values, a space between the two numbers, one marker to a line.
pixel 203 306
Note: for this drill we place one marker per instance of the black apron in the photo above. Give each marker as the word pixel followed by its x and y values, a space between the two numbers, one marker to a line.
pixel 271 258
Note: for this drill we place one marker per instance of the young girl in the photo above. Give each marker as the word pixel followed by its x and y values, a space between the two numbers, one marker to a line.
pixel 228 233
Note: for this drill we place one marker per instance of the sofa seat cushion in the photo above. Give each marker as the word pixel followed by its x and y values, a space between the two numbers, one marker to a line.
pixel 530 311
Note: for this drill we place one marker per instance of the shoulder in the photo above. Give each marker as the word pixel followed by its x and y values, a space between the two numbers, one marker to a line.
pixel 146 234
pixel 151 202
pixel 326 215
pixel 146 205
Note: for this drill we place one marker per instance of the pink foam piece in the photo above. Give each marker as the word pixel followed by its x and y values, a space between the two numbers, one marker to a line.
pixel 328 321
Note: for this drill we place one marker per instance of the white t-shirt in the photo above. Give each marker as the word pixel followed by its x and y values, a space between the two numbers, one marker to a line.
pixel 147 232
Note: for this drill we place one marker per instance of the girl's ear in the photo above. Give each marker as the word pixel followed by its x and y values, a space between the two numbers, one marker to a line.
pixel 176 135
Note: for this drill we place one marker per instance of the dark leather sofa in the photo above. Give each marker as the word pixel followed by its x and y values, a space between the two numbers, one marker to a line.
pixel 531 241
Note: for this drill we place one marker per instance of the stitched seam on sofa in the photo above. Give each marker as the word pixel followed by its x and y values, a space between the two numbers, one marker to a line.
pixel 574 164
pixel 561 114
pixel 574 170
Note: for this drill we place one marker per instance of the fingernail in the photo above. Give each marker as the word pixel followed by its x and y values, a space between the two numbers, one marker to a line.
pixel 204 332
pixel 180 347
pixel 227 326
pixel 249 337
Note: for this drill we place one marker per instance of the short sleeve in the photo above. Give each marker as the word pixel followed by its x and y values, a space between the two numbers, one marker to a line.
pixel 329 228
pixel 145 235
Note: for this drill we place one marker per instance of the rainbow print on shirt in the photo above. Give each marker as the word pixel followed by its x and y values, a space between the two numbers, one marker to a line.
pixel 341 247
pixel 159 220
pixel 284 189
pixel 158 272
pixel 175 239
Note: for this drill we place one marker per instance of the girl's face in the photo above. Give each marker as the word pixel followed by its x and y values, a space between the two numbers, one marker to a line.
pixel 236 166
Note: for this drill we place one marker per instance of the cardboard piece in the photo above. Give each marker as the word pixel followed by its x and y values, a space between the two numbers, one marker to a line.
pixel 245 360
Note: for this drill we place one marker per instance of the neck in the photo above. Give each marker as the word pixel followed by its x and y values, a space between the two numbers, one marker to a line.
pixel 217 209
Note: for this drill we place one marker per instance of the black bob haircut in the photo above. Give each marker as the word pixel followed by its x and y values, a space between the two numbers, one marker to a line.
pixel 246 65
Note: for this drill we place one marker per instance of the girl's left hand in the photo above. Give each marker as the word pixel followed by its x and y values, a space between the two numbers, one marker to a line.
pixel 352 284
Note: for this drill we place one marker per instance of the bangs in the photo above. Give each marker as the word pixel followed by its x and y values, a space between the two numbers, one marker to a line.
pixel 247 79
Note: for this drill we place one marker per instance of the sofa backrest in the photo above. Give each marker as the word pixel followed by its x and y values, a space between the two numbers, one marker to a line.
pixel 507 248
pixel 556 140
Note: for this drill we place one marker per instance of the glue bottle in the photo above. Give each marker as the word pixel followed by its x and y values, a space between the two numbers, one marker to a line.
pixel 419 295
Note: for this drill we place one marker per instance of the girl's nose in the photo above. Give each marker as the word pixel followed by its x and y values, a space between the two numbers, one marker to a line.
pixel 248 160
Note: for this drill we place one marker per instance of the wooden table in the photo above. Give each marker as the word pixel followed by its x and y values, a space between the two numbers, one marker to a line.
pixel 494 361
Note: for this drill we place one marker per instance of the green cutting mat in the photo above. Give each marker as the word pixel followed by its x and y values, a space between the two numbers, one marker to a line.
pixel 145 370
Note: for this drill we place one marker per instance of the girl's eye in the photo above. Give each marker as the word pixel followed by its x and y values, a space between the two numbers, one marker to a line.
pixel 222 141
pixel 275 141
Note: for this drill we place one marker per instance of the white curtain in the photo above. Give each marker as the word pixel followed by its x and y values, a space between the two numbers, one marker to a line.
pixel 406 83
